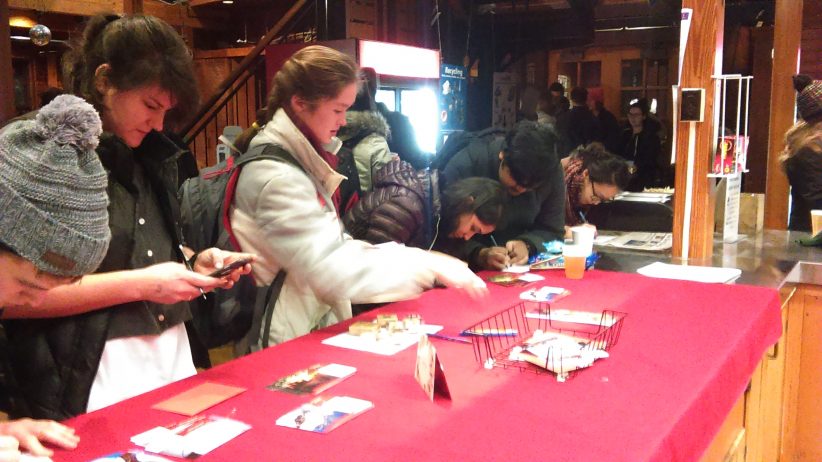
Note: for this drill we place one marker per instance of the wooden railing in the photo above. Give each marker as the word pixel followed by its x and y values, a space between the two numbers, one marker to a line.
pixel 237 98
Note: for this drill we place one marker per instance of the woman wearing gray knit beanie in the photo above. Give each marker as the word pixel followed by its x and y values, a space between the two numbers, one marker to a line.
pixel 120 331
pixel 53 226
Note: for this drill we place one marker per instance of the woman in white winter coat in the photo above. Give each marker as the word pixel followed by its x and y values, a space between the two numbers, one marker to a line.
pixel 283 210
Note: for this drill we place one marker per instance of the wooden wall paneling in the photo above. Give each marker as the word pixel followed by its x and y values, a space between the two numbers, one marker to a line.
pixel 75 7
pixel 812 40
pixel 791 385
pixel 760 110
pixel 809 405
pixel 6 73
pixel 361 19
pixel 694 223
pixel 783 100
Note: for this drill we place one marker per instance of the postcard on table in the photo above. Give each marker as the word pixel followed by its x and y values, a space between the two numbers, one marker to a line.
pixel 323 415
pixel 191 437
pixel 122 456
pixel 428 371
pixel 313 380
pixel 199 398
pixel 544 294
pixel 386 344
pixel 514 279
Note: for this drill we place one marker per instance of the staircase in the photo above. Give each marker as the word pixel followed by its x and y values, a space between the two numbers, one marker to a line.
pixel 238 97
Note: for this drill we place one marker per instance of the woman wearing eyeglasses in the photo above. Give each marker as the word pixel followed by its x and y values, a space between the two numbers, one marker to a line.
pixel 592 176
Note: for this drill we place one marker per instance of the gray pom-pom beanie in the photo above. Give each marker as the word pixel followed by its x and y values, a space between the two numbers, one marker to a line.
pixel 53 202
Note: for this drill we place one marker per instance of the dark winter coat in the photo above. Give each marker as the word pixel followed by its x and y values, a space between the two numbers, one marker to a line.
pixel 533 217
pixel 54 361
pixel 644 150
pixel 399 209
pixel 803 166
pixel 577 127
pixel 403 140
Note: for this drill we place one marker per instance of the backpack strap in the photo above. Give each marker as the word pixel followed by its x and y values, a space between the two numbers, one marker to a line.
pixel 266 309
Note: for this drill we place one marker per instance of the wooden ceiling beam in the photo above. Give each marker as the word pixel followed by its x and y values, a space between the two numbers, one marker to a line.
pixel 180 15
pixel 75 7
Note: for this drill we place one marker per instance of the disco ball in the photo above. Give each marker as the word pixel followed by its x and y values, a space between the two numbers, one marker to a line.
pixel 40 35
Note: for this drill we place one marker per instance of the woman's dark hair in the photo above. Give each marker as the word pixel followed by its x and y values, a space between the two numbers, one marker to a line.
pixel 313 73
pixel 140 51
pixel 530 153
pixel 642 104
pixel 481 196
pixel 603 167
pixel 364 101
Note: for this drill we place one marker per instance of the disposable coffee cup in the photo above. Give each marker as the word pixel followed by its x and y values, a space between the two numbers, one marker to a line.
pixel 816 221
pixel 583 237
pixel 574 257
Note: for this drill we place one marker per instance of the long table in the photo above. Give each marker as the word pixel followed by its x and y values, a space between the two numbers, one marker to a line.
pixel 685 355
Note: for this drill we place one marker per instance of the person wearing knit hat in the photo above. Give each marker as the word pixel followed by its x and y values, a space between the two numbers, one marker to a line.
pixel 802 156
pixel 53 226
pixel 53 189
pixel 119 331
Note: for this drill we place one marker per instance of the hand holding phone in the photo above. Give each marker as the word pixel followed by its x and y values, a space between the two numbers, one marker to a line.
pixel 227 269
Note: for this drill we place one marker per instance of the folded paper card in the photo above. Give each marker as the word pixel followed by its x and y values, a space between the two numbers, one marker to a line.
pixel 199 398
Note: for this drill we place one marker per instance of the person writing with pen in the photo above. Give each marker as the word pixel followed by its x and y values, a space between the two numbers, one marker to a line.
pixel 525 162
pixel 592 176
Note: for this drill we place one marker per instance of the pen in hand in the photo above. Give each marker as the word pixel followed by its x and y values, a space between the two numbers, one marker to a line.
pixel 494 241
pixel 187 262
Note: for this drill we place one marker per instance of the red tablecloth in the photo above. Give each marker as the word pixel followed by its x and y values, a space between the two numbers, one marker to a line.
pixel 686 353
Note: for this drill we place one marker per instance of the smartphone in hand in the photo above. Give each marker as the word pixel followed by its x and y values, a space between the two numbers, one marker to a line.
pixel 227 269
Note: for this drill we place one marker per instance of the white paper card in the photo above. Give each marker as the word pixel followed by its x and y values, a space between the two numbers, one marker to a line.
pixel 690 273
pixel 386 345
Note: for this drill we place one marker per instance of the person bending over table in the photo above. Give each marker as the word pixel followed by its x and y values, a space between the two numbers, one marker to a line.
pixel 120 332
pixel 408 207
pixel 283 211
pixel 53 230
pixel 525 163
pixel 592 176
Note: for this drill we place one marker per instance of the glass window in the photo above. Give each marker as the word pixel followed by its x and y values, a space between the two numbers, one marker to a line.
pixel 420 105
pixel 591 74
pixel 632 73
pixel 387 97
pixel 656 71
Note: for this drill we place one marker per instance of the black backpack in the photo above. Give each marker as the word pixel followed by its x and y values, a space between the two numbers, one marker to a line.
pixel 228 315
pixel 458 141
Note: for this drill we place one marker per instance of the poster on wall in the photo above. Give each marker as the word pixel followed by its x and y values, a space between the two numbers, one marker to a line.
pixel 684 30
pixel 452 97
pixel 504 108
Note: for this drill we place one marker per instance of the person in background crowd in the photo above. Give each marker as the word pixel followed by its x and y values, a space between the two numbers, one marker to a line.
pixel 365 142
pixel 802 157
pixel 559 101
pixel 120 332
pixel 592 176
pixel 641 145
pixel 610 133
pixel 49 94
pixel 578 126
pixel 526 164
pixel 283 210
pixel 53 230
pixel 545 109
pixel 409 207
pixel 403 139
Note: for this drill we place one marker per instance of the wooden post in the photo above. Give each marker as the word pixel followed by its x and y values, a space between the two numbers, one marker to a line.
pixel 695 193
pixel 133 7
pixel 6 73
pixel 786 42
